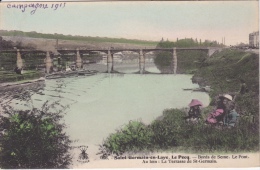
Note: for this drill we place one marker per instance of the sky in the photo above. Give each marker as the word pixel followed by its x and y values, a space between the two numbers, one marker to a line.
pixel 147 20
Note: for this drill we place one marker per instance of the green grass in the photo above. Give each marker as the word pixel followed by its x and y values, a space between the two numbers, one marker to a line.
pixel 171 133
pixel 11 76
pixel 223 72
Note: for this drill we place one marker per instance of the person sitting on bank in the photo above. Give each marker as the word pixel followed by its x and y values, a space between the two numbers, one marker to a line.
pixel 243 87
pixel 218 115
pixel 194 113
pixel 18 70
pixel 214 117
pixel 231 117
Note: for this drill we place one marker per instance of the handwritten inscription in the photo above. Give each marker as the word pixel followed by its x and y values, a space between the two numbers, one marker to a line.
pixel 32 7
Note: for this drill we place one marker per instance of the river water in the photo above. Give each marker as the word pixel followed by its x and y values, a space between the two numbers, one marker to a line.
pixel 102 103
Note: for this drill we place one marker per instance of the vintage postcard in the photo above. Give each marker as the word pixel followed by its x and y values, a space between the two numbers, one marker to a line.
pixel 129 84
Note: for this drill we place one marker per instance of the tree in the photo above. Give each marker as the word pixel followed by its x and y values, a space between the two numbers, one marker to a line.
pixel 162 40
pixel 163 59
pixel 5 44
pixel 34 138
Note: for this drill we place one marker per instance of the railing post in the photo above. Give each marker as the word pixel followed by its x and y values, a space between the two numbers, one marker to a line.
pixel 174 60
pixel 19 61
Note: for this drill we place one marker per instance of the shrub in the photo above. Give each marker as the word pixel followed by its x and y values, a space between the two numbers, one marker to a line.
pixel 166 131
pixel 34 138
pixel 135 136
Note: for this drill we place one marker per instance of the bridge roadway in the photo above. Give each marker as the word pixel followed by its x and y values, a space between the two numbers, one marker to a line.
pixel 109 52
pixel 113 51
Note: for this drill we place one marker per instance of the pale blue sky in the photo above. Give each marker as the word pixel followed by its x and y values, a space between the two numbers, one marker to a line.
pixel 141 20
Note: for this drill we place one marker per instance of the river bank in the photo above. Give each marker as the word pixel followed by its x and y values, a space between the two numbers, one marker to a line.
pixel 234 72
pixel 225 72
pixel 19 91
pixel 11 76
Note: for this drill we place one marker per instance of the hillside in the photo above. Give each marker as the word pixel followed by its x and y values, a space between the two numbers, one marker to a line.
pixel 48 41
pixel 50 44
pixel 226 72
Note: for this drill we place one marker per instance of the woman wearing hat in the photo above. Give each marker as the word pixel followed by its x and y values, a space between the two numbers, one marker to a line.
pixel 224 104
pixel 225 99
pixel 194 112
pixel 221 110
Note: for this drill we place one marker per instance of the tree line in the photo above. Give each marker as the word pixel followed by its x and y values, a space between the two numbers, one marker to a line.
pixel 188 42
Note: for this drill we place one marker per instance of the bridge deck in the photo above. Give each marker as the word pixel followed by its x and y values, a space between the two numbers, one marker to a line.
pixel 82 51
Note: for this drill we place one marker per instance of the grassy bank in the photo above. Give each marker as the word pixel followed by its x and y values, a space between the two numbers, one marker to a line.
pixel 172 133
pixel 11 76
pixel 224 72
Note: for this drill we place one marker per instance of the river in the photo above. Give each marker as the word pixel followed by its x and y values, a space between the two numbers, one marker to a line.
pixel 102 103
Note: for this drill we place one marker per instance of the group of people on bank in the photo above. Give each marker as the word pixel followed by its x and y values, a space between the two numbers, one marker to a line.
pixel 223 114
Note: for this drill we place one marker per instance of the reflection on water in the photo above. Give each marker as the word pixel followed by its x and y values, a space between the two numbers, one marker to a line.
pixel 102 103
pixel 136 68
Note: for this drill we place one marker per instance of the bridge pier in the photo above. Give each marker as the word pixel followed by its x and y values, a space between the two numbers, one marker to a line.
pixel 48 62
pixel 174 60
pixel 78 60
pixel 19 61
pixel 141 62
pixel 110 63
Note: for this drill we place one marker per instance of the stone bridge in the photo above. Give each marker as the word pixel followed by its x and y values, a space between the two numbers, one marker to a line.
pixel 109 52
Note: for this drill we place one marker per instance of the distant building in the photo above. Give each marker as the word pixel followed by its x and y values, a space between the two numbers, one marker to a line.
pixel 254 40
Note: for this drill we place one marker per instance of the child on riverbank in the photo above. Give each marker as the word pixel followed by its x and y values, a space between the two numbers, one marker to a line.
pixel 231 117
pixel 194 113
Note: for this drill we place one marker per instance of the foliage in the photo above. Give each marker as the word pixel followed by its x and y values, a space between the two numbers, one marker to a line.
pixel 166 131
pixel 34 138
pixel 5 44
pixel 8 61
pixel 7 76
pixel 225 72
pixel 163 59
pixel 187 61
pixel 132 137
pixel 9 45
pixel 172 133
pixel 190 61
pixel 204 138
